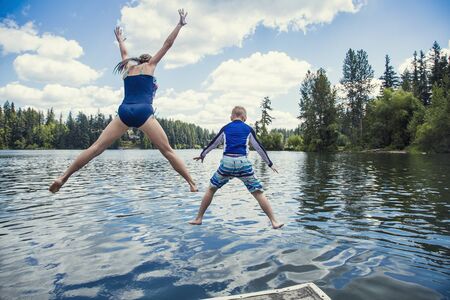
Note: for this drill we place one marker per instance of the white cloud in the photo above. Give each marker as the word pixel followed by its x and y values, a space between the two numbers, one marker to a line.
pixel 284 119
pixel 17 92
pixel 185 101
pixel 44 69
pixel 377 83
pixel 214 25
pixel 272 73
pixel 52 58
pixel 59 47
pixel 238 82
pixel 17 39
pixel 406 64
pixel 63 99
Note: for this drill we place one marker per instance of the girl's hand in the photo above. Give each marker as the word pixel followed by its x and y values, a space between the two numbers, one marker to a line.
pixel 119 36
pixel 183 15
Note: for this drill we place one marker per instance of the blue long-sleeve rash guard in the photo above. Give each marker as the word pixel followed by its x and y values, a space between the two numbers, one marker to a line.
pixel 236 137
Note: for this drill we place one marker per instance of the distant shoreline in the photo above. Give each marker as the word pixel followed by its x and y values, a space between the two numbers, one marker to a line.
pixel 381 151
pixel 386 151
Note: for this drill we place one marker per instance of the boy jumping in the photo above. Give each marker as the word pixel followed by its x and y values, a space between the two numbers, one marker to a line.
pixel 235 136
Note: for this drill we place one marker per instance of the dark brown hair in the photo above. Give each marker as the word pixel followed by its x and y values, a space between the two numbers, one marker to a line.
pixel 120 67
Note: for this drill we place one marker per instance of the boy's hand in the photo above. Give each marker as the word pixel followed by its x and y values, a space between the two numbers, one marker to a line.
pixel 274 169
pixel 199 158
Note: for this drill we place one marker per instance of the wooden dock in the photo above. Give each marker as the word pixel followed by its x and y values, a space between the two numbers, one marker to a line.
pixel 306 291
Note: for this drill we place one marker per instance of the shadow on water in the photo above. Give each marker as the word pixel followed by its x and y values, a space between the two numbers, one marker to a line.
pixel 361 226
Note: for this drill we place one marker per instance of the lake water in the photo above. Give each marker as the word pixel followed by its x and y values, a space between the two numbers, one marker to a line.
pixel 360 226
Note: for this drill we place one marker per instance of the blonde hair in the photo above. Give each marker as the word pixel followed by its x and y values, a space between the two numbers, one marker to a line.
pixel 239 112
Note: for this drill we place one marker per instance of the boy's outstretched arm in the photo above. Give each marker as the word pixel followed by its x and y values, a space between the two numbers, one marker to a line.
pixel 215 142
pixel 260 149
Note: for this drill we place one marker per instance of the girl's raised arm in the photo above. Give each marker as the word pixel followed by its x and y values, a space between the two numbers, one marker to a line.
pixel 121 40
pixel 170 39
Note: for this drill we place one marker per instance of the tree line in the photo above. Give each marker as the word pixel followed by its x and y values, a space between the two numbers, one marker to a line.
pixel 32 129
pixel 412 109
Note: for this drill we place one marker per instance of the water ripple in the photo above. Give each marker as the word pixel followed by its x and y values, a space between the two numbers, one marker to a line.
pixel 361 226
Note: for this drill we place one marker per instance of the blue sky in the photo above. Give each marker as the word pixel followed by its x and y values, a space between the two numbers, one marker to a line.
pixel 61 53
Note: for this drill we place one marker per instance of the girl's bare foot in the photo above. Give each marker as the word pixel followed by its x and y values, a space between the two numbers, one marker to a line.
pixel 193 187
pixel 57 184
pixel 196 222
pixel 277 225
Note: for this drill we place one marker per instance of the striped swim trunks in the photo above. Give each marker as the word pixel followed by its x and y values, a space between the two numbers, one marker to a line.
pixel 240 167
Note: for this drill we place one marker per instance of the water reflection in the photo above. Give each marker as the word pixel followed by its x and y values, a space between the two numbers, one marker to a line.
pixel 361 226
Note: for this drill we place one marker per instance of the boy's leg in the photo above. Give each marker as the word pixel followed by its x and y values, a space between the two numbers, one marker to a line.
pixel 256 189
pixel 206 201
pixel 265 205
pixel 217 181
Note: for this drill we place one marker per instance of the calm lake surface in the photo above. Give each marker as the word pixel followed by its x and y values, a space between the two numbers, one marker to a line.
pixel 360 226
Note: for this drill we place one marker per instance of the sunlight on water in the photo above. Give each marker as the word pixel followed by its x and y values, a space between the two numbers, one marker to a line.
pixel 360 226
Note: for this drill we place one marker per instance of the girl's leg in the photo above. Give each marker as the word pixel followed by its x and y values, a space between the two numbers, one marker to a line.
pixel 206 201
pixel 112 132
pixel 158 137
pixel 265 205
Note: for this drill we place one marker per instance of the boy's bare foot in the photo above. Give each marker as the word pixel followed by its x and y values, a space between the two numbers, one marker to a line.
pixel 56 185
pixel 193 187
pixel 277 225
pixel 196 222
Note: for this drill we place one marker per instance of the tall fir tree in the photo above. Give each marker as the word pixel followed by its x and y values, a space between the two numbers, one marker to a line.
pixel 406 81
pixel 389 78
pixel 266 118
pixel 437 67
pixel 358 86
pixel 415 76
pixel 307 114
pixel 318 110
pixel 423 85
pixel 50 117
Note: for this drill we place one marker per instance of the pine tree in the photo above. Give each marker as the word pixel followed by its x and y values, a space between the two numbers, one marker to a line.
pixel 257 128
pixel 406 81
pixel 50 117
pixel 357 83
pixel 389 78
pixel 60 133
pixel 307 111
pixel 415 76
pixel 6 124
pixel 318 111
pixel 266 118
pixel 70 138
pixel 437 71
pixel 423 87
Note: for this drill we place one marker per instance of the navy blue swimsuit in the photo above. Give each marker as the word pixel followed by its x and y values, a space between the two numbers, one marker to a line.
pixel 136 106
